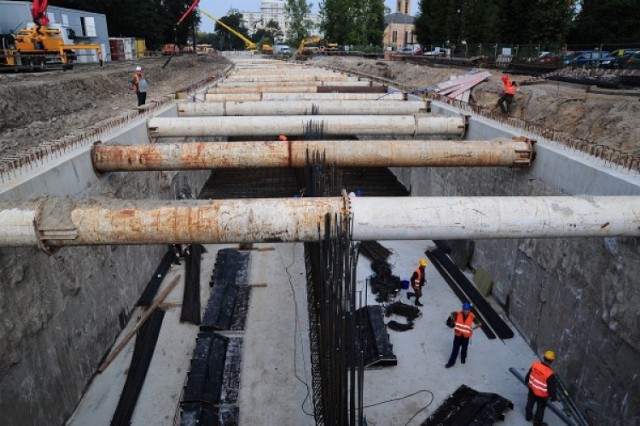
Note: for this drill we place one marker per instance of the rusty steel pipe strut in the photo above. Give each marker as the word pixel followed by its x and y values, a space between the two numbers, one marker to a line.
pixel 298 125
pixel 343 153
pixel 53 222
pixel 336 107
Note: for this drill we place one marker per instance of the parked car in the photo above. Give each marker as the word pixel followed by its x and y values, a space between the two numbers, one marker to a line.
pixel 585 58
pixel 616 61
pixel 438 51
pixel 633 61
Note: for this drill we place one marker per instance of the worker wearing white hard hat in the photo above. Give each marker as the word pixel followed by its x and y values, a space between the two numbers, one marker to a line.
pixel 140 86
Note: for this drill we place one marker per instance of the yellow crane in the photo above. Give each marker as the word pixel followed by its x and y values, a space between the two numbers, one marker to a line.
pixel 248 43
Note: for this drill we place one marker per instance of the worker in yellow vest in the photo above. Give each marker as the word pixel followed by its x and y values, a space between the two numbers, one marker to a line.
pixel 462 331
pixel 541 381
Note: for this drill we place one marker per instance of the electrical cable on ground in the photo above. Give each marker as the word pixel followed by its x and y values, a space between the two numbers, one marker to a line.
pixel 296 330
pixel 405 397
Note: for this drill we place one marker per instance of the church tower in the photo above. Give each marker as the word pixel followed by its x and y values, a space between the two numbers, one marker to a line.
pixel 403 7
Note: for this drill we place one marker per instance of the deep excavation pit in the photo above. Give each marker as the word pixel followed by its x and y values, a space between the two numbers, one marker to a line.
pixel 61 313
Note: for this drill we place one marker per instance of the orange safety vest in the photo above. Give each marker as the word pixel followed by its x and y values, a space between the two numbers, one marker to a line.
pixel 464 327
pixel 538 377
pixel 416 283
pixel 136 78
pixel 509 87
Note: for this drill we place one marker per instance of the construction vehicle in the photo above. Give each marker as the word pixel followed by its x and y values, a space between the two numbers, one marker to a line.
pixel 42 45
pixel 249 45
pixel 309 45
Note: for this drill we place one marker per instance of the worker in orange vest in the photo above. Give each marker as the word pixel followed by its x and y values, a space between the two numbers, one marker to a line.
pixel 541 381
pixel 140 86
pixel 508 92
pixel 417 282
pixel 462 331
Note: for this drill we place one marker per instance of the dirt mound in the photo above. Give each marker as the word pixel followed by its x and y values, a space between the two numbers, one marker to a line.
pixel 41 107
pixel 608 120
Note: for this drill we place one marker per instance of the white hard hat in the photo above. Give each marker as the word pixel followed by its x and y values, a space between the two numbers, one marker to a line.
pixel 138 68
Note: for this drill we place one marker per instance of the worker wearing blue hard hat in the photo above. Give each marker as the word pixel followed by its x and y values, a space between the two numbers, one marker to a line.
pixel 463 326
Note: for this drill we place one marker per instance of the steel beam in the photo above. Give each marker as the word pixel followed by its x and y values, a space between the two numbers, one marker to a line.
pixel 343 153
pixel 337 107
pixel 52 222
pixel 388 125
pixel 271 86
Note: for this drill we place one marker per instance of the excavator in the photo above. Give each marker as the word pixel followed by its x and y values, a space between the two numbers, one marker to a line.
pixel 311 45
pixel 42 45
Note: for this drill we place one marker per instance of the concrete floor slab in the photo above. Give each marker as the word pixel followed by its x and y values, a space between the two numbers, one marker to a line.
pixel 275 381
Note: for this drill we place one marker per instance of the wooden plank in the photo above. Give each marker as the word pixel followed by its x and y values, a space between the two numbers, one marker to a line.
pixel 145 316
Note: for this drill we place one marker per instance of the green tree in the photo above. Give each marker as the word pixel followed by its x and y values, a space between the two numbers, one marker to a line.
pixel 335 20
pixel 298 25
pixel 607 21
pixel 226 39
pixel 550 23
pixel 438 22
pixel 374 22
pixel 479 21
pixel 514 21
pixel 269 34
pixel 353 21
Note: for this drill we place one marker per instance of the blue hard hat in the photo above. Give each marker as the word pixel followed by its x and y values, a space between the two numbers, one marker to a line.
pixel 466 306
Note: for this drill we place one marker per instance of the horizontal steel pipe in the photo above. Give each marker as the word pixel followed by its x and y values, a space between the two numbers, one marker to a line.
pixel 298 125
pixel 337 107
pixel 309 88
pixel 294 76
pixel 413 218
pixel 64 222
pixel 344 153
pixel 220 97
pixel 272 85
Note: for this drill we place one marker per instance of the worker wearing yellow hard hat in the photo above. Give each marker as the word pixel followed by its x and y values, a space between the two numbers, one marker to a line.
pixel 541 381
pixel 417 282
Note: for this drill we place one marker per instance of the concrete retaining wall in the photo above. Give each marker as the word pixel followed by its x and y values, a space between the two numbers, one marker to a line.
pixel 578 297
pixel 61 313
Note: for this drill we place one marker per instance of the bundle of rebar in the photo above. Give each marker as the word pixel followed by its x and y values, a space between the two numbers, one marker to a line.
pixel 143 352
pixel 228 301
pixel 191 296
pixel 146 298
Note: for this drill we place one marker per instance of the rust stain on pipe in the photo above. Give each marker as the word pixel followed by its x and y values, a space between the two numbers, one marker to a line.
pixel 345 153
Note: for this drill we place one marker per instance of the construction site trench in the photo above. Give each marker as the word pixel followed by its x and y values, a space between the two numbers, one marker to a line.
pixel 62 311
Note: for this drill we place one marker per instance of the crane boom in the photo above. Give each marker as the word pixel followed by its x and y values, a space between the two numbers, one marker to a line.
pixel 39 12
pixel 248 43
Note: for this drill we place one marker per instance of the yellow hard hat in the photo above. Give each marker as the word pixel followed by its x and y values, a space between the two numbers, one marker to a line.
pixel 423 262
pixel 550 355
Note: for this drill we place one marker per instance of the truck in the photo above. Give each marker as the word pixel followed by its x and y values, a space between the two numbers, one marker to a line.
pixel 281 49
pixel 41 45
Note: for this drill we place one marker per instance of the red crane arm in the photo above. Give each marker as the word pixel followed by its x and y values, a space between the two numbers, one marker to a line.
pixel 39 12
pixel 195 3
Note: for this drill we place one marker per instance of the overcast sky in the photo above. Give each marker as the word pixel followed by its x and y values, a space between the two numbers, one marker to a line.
pixel 219 8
